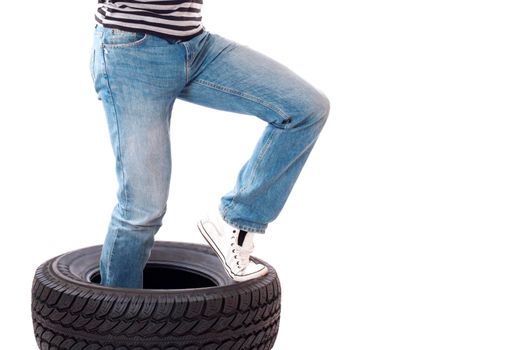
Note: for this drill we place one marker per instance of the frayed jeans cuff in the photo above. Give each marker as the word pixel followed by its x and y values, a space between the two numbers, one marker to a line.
pixel 250 227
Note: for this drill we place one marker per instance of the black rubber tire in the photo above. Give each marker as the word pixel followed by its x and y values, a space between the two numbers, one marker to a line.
pixel 188 302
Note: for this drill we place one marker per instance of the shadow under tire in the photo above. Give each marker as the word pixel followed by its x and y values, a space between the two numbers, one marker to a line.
pixel 188 303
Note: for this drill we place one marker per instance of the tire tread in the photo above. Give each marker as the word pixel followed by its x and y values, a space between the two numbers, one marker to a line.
pixel 72 317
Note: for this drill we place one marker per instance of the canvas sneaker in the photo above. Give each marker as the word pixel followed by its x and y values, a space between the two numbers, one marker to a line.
pixel 233 247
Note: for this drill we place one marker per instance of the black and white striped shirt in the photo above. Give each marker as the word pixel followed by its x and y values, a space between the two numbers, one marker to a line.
pixel 176 19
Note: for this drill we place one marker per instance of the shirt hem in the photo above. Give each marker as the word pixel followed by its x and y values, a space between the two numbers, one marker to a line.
pixel 168 37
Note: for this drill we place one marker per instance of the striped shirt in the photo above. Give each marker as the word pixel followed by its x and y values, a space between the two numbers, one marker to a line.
pixel 175 19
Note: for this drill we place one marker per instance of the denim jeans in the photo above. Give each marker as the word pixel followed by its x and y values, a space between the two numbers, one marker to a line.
pixel 138 76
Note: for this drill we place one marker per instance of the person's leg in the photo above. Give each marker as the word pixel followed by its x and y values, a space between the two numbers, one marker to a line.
pixel 232 77
pixel 137 78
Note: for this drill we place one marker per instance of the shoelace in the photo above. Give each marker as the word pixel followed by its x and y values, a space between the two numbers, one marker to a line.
pixel 241 254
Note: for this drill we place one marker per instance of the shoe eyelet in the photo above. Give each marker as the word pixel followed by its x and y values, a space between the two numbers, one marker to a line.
pixel 233 250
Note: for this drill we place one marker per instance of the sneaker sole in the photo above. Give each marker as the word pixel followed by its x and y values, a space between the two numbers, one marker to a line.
pixel 211 243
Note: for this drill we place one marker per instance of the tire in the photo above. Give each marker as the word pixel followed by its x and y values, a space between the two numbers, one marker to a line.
pixel 188 302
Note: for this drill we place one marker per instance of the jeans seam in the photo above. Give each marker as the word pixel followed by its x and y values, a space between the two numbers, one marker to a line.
pixel 119 152
pixel 92 65
pixel 260 156
pixel 285 117
pixel 249 181
pixel 186 64
pixel 191 56
pixel 111 250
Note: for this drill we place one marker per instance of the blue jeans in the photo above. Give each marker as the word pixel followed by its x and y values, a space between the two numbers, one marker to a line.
pixel 138 76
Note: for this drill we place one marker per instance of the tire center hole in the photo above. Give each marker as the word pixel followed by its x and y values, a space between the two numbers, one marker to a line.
pixel 168 277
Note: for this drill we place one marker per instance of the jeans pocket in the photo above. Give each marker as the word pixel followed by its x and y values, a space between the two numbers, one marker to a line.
pixel 115 38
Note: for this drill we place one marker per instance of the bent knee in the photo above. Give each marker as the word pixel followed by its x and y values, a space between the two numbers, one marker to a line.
pixel 314 111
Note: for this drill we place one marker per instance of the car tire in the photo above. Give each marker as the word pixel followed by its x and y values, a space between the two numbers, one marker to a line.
pixel 188 302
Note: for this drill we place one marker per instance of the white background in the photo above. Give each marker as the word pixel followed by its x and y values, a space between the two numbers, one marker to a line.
pixel 406 227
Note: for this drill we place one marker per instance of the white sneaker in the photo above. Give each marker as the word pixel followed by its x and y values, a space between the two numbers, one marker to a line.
pixel 233 248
